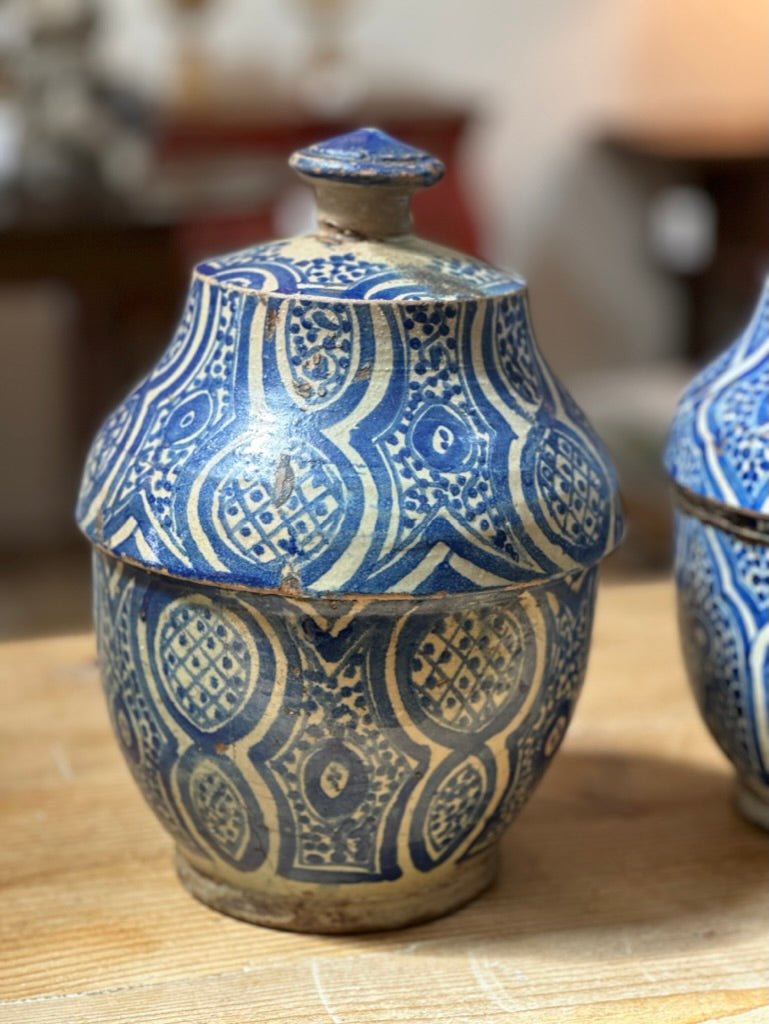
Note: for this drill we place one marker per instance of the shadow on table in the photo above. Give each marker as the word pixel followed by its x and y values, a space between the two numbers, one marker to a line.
pixel 617 845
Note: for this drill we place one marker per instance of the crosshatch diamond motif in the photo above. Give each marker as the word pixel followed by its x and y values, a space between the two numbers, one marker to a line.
pixel 516 352
pixel 294 515
pixel 208 671
pixel 467 667
pixel 576 492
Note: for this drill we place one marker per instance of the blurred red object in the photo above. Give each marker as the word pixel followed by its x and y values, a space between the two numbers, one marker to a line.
pixel 442 213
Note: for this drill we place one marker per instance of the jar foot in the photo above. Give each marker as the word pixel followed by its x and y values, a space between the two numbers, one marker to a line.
pixel 753 801
pixel 339 909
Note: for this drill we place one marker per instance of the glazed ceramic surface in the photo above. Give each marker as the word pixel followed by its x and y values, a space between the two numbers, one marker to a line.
pixel 718 458
pixel 346 534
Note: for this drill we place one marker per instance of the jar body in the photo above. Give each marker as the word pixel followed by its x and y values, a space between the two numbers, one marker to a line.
pixel 337 764
pixel 722 583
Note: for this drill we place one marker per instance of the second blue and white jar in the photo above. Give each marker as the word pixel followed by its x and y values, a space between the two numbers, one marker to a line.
pixel 718 459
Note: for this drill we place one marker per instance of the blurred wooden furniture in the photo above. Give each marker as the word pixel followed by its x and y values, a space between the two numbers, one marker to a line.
pixel 442 213
pixel 694 113
pixel 733 173
pixel 629 888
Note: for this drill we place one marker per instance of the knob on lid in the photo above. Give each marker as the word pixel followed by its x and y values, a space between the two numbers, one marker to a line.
pixel 368 156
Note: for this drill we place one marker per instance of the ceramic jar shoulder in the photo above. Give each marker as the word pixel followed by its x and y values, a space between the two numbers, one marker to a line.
pixel 392 433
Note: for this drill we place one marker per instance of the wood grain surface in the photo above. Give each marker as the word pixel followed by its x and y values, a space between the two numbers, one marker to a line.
pixel 629 891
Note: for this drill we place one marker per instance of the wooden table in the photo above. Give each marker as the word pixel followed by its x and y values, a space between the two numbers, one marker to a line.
pixel 629 891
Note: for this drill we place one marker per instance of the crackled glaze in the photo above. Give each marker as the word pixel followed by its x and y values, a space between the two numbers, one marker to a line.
pixel 347 532
pixel 718 458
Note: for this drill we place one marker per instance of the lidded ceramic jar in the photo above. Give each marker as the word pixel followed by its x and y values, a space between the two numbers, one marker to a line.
pixel 718 459
pixel 346 536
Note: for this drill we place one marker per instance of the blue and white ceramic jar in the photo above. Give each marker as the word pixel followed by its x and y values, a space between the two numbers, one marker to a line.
pixel 718 459
pixel 346 536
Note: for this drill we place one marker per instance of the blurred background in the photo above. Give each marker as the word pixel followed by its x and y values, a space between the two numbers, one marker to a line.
pixel 616 154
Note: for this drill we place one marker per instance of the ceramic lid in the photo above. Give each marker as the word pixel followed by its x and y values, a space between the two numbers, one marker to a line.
pixel 354 411
pixel 718 448
pixel 364 249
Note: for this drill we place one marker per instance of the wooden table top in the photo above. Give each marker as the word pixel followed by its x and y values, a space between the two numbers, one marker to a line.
pixel 629 890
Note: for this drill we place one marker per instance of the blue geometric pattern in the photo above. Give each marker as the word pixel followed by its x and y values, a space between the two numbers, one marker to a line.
pixel 530 747
pixel 452 804
pixel 723 606
pixel 225 813
pixel 208 672
pixel 309 737
pixel 719 443
pixel 464 672
pixel 347 272
pixel 148 744
pixel 327 446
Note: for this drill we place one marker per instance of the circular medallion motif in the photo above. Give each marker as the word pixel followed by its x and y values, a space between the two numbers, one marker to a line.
pixel 335 780
pixel 207 666
pixel 454 808
pixel 189 418
pixel 555 736
pixel 124 730
pixel 442 439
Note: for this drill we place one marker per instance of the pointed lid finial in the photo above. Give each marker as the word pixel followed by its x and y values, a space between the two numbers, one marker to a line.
pixel 368 156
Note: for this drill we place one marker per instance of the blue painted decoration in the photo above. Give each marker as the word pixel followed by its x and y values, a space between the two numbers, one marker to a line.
pixel 718 459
